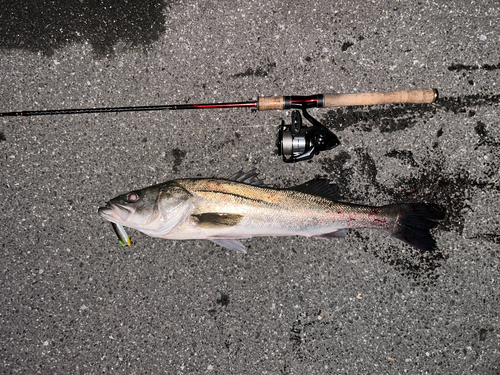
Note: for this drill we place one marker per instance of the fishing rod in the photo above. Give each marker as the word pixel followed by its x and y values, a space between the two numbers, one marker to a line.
pixel 264 103
pixel 295 142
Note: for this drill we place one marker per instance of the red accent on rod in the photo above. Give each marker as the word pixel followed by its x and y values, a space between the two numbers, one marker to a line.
pixel 226 105
pixel 304 100
pixel 214 105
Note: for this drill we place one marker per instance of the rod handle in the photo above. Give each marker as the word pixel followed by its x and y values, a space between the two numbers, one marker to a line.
pixel 389 97
pixel 339 100
pixel 266 103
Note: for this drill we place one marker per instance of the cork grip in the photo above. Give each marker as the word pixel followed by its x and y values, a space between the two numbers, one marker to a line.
pixel 271 102
pixel 412 96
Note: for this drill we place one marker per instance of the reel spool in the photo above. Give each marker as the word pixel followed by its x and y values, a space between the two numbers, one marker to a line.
pixel 297 142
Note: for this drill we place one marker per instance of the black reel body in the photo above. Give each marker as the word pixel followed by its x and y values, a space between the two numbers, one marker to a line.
pixel 297 142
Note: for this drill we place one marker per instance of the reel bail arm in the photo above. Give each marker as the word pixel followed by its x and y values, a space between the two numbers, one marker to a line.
pixel 298 143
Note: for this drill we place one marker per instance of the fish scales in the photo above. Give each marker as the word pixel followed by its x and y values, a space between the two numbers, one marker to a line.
pixel 274 207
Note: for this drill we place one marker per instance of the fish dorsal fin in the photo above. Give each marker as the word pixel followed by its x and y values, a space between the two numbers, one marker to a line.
pixel 319 187
pixel 249 177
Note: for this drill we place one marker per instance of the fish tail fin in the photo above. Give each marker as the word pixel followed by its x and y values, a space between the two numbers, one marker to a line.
pixel 414 222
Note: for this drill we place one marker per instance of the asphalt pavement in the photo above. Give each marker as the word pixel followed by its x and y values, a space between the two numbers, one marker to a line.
pixel 74 301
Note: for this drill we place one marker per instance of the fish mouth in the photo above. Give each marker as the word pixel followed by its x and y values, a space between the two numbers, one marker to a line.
pixel 116 213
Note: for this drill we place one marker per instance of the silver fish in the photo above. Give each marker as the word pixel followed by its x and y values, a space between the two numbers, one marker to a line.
pixel 227 210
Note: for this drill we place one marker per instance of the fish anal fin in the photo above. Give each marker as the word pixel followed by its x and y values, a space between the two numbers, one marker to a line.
pixel 217 219
pixel 230 244
pixel 341 233
pixel 319 187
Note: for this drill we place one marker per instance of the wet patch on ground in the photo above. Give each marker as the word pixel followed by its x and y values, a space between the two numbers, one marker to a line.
pixel 179 156
pixel 346 46
pixel 484 134
pixel 420 267
pixel 45 26
pixel 223 300
pixel 307 332
pixel 260 71
pixel 223 334
pixel 460 67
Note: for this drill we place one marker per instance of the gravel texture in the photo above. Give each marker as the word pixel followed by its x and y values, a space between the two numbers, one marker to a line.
pixel 74 301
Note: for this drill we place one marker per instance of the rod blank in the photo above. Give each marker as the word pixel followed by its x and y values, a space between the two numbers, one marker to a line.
pixel 127 109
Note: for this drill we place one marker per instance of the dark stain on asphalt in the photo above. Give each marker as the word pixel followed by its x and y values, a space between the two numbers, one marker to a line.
pixel 223 300
pixel 460 67
pixel 310 330
pixel 485 137
pixel 428 184
pixel 2 137
pixel 346 46
pixel 45 26
pixel 403 155
pixel 490 237
pixel 420 267
pixel 260 71
pixel 179 156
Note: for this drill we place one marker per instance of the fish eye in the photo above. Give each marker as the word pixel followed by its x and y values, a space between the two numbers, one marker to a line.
pixel 132 197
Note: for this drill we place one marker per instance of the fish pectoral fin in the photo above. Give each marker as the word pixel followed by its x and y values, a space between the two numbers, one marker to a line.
pixel 216 219
pixel 229 244
pixel 341 233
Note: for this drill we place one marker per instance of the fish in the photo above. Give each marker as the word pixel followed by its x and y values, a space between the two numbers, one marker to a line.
pixel 226 211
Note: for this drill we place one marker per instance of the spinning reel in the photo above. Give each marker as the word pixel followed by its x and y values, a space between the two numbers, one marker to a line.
pixel 297 142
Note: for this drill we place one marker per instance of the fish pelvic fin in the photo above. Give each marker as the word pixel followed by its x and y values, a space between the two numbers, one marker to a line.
pixel 230 244
pixel 415 220
pixel 341 233
pixel 216 219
